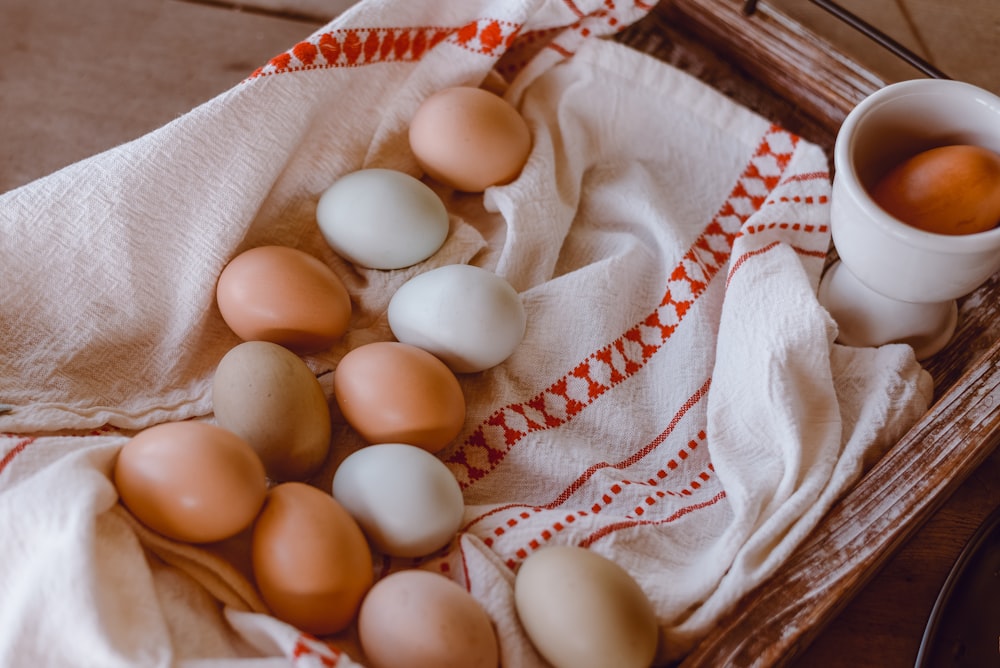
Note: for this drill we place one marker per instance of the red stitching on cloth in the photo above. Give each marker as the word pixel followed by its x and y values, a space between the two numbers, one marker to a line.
pixel 615 489
pixel 567 397
pixel 566 53
pixel 310 648
pixel 573 8
pixel 530 43
pixel 15 451
pixel 465 569
pixel 771 246
pixel 808 176
pixel 354 47
pixel 628 524
pixel 609 497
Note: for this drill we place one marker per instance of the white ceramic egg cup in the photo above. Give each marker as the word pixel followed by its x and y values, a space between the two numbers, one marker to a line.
pixel 895 283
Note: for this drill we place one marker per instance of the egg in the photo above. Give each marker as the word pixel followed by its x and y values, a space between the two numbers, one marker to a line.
pixel 582 610
pixel 382 219
pixel 285 296
pixel 468 317
pixel 190 481
pixel 947 190
pixel 267 395
pixel 392 392
pixel 469 139
pixel 418 619
pixel 404 498
pixel 310 560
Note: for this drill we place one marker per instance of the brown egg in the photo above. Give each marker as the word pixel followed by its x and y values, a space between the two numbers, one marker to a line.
pixel 310 559
pixel 946 190
pixel 469 139
pixel 191 481
pixel 266 394
pixel 419 619
pixel 283 295
pixel 392 392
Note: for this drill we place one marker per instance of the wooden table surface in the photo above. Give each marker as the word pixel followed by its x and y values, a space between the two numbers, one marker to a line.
pixel 79 77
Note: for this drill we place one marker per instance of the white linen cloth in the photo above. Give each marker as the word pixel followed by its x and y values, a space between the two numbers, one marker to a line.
pixel 678 403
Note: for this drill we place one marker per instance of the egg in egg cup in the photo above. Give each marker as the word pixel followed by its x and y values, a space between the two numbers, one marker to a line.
pixel 893 282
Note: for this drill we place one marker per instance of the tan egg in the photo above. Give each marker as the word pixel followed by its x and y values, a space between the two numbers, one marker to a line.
pixel 266 394
pixel 419 619
pixel 191 481
pixel 469 138
pixel 285 296
pixel 392 392
pixel 310 560
pixel 946 190
pixel 582 610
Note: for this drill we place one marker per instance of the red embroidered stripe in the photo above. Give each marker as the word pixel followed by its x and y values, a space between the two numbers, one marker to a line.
pixel 628 524
pixel 355 47
pixel 589 379
pixel 14 452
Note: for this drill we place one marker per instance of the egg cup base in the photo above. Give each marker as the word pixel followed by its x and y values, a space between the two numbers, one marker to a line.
pixel 866 318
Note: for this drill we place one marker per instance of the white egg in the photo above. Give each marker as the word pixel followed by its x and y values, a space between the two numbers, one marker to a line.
pixel 468 317
pixel 382 219
pixel 404 498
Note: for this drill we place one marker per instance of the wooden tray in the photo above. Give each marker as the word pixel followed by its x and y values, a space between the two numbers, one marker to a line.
pixel 775 67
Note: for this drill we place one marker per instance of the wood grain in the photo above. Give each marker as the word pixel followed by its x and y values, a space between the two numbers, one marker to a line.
pixel 77 78
pixel 782 55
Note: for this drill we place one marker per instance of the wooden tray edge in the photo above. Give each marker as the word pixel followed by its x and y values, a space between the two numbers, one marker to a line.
pixel 784 56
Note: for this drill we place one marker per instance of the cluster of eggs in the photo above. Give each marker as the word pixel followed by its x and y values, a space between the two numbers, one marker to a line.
pixel 310 549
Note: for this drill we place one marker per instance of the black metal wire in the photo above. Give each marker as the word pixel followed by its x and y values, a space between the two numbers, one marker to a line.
pixel 870 31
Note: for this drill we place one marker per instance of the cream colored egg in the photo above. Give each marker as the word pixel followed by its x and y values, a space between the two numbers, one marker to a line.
pixel 267 395
pixel 582 610
pixel 419 619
